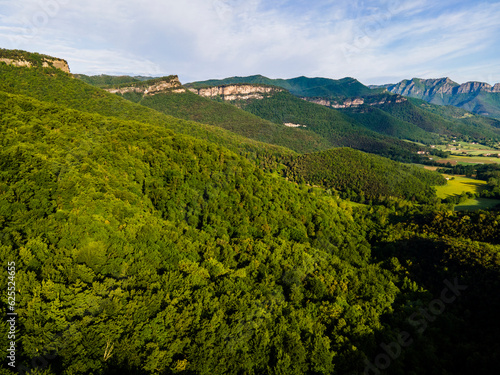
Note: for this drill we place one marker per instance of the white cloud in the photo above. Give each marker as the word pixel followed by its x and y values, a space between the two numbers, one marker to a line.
pixel 200 39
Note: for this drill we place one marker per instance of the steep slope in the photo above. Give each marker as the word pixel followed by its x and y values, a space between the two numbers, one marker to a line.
pixel 104 80
pixel 168 96
pixel 337 128
pixel 32 60
pixel 58 87
pixel 459 115
pixel 435 120
pixel 129 241
pixel 139 250
pixel 477 97
pixel 383 122
pixel 401 119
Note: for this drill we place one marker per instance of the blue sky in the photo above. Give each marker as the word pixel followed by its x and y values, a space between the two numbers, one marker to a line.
pixel 375 41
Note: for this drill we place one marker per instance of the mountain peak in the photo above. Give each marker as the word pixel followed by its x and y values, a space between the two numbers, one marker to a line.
pixel 444 91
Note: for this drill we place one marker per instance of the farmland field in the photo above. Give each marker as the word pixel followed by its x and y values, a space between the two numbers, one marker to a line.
pixel 469 153
pixel 469 148
pixel 459 185
pixel 456 159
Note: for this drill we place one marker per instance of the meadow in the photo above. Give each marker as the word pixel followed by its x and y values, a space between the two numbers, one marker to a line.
pixel 459 185
pixel 457 159
pixel 469 153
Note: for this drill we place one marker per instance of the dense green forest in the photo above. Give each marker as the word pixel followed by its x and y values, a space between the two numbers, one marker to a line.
pixel 325 129
pixel 190 106
pixel 359 176
pixel 337 128
pixel 382 122
pixel 105 80
pixel 435 119
pixel 55 86
pixel 143 249
pixel 411 119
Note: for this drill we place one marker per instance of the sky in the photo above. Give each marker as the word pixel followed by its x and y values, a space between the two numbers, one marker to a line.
pixel 375 41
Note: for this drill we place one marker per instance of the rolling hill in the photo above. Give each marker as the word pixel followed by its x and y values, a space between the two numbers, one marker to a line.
pixel 311 127
pixel 141 243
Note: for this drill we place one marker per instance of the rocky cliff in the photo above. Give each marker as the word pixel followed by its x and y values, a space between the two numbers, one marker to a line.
pixel 236 92
pixel 478 97
pixel 151 87
pixel 45 62
pixel 356 102
pixel 428 87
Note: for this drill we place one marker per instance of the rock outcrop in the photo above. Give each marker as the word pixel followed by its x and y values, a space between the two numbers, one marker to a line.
pixel 236 92
pixel 443 86
pixel 479 97
pixel 356 102
pixel 472 87
pixel 152 87
pixel 46 62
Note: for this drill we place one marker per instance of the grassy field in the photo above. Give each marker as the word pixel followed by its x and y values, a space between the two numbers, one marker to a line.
pixel 469 148
pixel 456 159
pixel 477 204
pixel 459 185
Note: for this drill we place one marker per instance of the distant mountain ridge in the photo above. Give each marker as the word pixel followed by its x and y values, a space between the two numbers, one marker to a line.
pixel 477 97
pixel 299 86
pixel 376 109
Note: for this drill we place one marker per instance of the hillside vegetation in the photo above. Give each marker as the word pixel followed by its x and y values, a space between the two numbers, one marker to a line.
pixel 361 176
pixel 300 86
pixel 142 249
pixel 55 86
pixel 190 106
pixel 404 119
pixel 340 130
pixel 105 80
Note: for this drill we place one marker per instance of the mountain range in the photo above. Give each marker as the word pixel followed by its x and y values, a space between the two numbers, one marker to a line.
pixel 375 109
pixel 477 97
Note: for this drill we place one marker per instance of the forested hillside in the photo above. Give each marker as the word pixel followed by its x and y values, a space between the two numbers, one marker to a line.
pixel 55 86
pixel 105 80
pixel 190 106
pixel 396 116
pixel 339 129
pixel 325 128
pixel 359 176
pixel 148 244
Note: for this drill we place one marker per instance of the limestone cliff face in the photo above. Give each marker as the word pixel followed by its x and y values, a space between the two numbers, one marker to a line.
pixel 355 102
pixel 496 88
pixel 153 87
pixel 236 92
pixel 46 62
pixel 348 103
